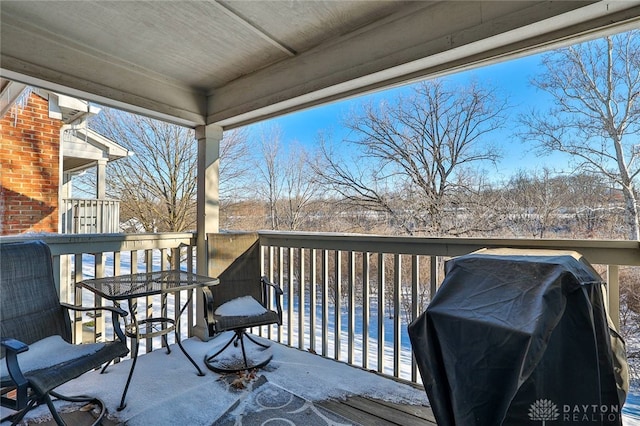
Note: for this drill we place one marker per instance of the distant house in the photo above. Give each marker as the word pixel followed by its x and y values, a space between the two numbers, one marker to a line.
pixel 44 142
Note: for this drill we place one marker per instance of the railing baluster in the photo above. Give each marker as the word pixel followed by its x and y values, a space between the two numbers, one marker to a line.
pixel 366 276
pixel 290 294
pixel 351 306
pixel 268 253
pixel 77 272
pixel 325 302
pixel 190 308
pixel 338 305
pixel 381 284
pixel 116 271
pixel 99 329
pixel 99 211
pixel 301 307
pixel 434 276
pixel 613 291
pixel 313 281
pixel 280 282
pixel 397 265
pixel 164 309
pixel 148 312
pixel 415 279
pixel 271 273
pixel 174 264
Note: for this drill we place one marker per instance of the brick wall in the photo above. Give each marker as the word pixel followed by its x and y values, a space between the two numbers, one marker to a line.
pixel 29 169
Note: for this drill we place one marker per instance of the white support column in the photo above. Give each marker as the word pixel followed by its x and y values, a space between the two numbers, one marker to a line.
pixel 101 177
pixel 62 264
pixel 209 138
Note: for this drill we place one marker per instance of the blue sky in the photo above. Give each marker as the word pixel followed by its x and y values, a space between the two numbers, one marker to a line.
pixel 511 78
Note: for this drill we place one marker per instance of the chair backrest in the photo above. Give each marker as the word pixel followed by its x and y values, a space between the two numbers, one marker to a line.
pixel 234 258
pixel 29 303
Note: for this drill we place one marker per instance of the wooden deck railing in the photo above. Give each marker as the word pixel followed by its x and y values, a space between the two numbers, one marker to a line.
pixel 348 297
pixel 78 257
pixel 330 310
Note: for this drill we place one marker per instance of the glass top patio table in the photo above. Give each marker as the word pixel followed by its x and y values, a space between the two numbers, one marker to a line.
pixel 128 286
pixel 131 286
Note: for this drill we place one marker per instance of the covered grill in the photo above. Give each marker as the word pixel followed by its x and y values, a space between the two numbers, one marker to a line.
pixel 519 337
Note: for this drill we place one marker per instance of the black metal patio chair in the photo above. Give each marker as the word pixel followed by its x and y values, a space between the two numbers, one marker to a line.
pixel 241 300
pixel 37 353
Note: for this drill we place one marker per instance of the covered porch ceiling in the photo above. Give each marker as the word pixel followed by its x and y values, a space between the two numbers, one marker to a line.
pixel 233 63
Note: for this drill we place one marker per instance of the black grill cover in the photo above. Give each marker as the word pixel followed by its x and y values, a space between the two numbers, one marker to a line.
pixel 518 337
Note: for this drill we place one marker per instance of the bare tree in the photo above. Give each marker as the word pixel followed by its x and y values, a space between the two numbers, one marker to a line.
pixel 284 180
pixel 595 117
pixel 270 183
pixel 412 154
pixel 235 176
pixel 535 200
pixel 157 184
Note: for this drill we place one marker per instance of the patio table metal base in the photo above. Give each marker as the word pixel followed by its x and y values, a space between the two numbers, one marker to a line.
pixel 166 326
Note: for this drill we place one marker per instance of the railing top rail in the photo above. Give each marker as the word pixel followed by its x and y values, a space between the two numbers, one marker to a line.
pixel 616 252
pixel 90 243
pixel 110 200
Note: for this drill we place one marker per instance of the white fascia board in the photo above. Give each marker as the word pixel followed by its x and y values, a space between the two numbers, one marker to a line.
pixel 69 102
pixel 36 76
pixel 112 150
pixel 10 93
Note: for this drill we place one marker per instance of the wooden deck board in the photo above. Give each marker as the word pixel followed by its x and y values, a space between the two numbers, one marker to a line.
pixel 380 413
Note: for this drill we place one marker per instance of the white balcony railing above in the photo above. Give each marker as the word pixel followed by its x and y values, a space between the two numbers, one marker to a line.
pixel 90 216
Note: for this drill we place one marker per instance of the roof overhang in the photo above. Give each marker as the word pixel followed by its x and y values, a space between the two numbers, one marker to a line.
pixel 83 148
pixel 235 63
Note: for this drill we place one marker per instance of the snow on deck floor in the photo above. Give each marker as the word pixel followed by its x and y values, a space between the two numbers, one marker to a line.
pixel 166 390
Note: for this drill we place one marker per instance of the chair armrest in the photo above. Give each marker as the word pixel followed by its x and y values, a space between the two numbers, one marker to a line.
pixel 208 308
pixel 116 312
pixel 265 281
pixel 265 284
pixel 13 347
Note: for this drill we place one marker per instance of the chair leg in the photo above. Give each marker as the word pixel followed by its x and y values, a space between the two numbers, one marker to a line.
pixel 254 341
pixel 17 417
pixel 79 398
pixel 211 357
pixel 238 337
pixel 53 411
